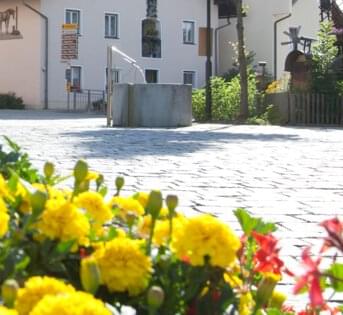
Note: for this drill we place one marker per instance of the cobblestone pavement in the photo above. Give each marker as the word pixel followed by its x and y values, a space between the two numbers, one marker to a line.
pixel 292 176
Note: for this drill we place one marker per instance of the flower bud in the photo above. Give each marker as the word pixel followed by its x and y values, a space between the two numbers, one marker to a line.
pixel 90 275
pixel 172 202
pixel 9 292
pixel 155 203
pixel 155 297
pixel 119 183
pixel 80 170
pixel 266 288
pixel 49 169
pixel 277 300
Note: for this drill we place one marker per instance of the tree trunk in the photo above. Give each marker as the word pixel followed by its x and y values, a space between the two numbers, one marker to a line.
pixel 242 60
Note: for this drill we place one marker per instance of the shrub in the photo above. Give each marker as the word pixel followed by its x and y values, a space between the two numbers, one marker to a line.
pixel 225 99
pixel 139 251
pixel 11 101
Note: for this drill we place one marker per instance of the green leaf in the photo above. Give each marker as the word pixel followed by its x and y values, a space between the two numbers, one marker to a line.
pixel 336 279
pixel 22 264
pixel 65 247
pixel 12 144
pixel 247 222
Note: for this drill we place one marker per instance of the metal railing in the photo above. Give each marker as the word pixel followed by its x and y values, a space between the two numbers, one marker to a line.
pixel 87 100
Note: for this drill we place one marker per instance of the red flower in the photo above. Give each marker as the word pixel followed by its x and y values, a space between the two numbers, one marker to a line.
pixel 310 278
pixel 267 259
pixel 334 228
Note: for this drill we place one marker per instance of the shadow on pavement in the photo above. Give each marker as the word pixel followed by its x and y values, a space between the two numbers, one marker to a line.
pixel 126 143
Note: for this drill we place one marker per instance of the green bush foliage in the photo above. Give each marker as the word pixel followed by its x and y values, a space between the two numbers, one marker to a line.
pixel 225 99
pixel 11 101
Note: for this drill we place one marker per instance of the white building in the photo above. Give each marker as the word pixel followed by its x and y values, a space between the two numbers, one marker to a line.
pixel 264 20
pixel 101 23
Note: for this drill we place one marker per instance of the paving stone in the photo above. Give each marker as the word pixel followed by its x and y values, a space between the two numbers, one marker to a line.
pixel 291 176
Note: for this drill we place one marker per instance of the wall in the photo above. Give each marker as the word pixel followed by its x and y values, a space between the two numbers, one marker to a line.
pixel 176 56
pixel 20 59
pixel 259 30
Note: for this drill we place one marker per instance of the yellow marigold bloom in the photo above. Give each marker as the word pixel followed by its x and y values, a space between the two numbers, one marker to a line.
pixel 63 221
pixel 95 206
pixel 142 198
pixel 35 289
pixel 246 304
pixel 77 303
pixel 124 266
pixel 4 191
pixel 205 236
pixel 144 226
pixel 233 280
pixel 7 311
pixel 127 206
pixel 4 218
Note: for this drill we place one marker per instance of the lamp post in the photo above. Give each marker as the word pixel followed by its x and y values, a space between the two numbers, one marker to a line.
pixel 208 63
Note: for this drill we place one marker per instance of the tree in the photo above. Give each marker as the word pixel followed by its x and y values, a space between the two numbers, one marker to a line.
pixel 242 60
pixel 324 53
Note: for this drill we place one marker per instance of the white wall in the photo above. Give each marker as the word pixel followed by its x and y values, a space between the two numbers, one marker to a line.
pixel 259 30
pixel 20 59
pixel 176 56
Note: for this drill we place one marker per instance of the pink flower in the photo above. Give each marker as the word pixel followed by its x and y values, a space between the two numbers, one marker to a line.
pixel 334 228
pixel 311 278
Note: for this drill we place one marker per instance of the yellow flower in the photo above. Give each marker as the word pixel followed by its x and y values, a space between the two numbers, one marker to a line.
pixel 92 175
pixel 35 289
pixel 123 265
pixel 4 218
pixel 205 236
pixel 4 191
pixel 77 303
pixel 246 304
pixel 62 220
pixel 142 198
pixel 127 206
pixel 25 202
pixel 7 311
pixel 95 206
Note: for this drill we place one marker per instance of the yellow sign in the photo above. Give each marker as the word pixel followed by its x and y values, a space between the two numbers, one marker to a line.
pixel 69 27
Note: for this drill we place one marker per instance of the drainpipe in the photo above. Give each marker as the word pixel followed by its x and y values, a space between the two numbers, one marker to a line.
pixel 275 42
pixel 46 52
pixel 216 45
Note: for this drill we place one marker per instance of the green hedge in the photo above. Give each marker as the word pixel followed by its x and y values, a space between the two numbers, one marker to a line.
pixel 11 101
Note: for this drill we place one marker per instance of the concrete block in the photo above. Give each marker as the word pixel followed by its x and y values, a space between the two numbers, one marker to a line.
pixel 152 105
pixel 120 106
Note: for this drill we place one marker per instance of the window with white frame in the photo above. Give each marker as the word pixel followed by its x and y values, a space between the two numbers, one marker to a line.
pixel 111 25
pixel 188 29
pixel 73 16
pixel 189 78
pixel 151 76
pixel 75 78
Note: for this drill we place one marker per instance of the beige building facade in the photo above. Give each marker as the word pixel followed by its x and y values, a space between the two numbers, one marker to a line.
pixel 261 27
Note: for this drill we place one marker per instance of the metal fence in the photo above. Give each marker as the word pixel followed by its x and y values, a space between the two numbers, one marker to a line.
pixel 316 109
pixel 87 100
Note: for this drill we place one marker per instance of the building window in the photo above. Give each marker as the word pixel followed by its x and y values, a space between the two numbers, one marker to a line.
pixel 73 17
pixel 189 78
pixel 188 29
pixel 111 25
pixel 151 76
pixel 151 38
pixel 75 78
